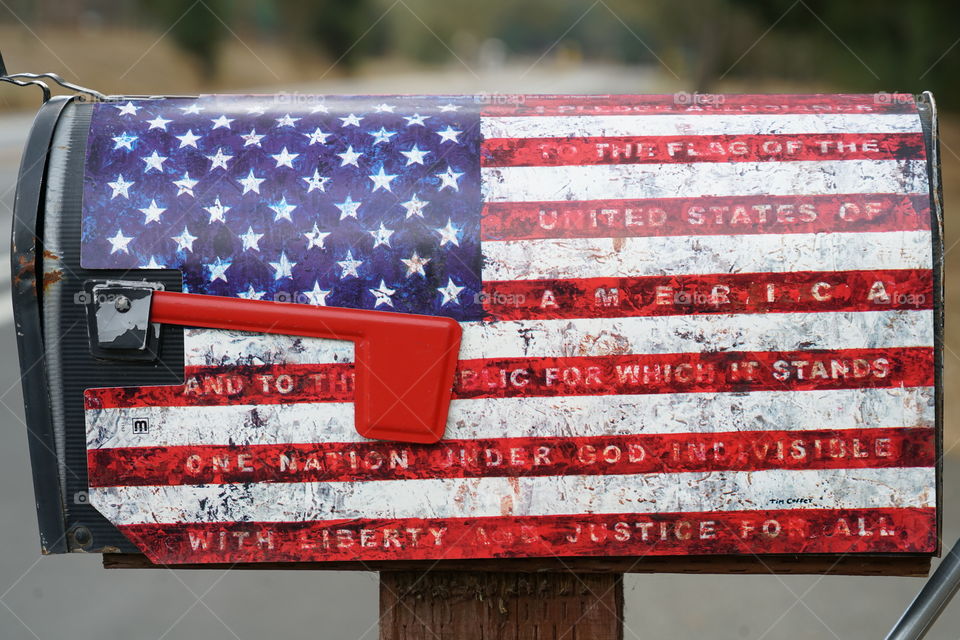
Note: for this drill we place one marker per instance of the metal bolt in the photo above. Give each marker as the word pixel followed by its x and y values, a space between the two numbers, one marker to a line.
pixel 82 536
pixel 122 304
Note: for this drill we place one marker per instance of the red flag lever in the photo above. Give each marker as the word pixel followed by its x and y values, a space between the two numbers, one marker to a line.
pixel 404 363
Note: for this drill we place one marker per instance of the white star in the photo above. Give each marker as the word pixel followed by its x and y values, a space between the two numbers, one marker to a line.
pixel 219 160
pixel 124 140
pixel 193 108
pixel 251 139
pixel 384 108
pixel 449 107
pixel 381 136
pixel 154 161
pixel 351 121
pixel 450 292
pixel 222 122
pixel 127 109
pixel 349 157
pixel 449 179
pixel 153 264
pixel 284 158
pixel 316 181
pixel 159 123
pixel 251 240
pixel 315 237
pixel 217 212
pixel 382 294
pixel 415 119
pixel 381 236
pixel 188 139
pixel 286 121
pixel 282 269
pixel 119 242
pixel 256 110
pixel 321 108
pixel 449 134
pixel 152 213
pixel 382 180
pixel 251 294
pixel 318 136
pixel 185 185
pixel 317 296
pixel 251 182
pixel 414 206
pixel 184 240
pixel 282 210
pixel 415 265
pixel 218 269
pixel 348 208
pixel 349 266
pixel 449 233
pixel 120 187
pixel 415 155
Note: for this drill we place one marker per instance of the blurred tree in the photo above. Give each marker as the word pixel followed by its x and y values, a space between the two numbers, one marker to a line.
pixel 883 45
pixel 196 27
pixel 344 30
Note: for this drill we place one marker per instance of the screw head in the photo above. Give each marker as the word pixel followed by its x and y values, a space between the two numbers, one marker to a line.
pixel 82 536
pixel 122 304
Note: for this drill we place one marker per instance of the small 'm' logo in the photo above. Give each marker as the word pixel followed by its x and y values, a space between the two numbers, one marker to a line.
pixel 141 425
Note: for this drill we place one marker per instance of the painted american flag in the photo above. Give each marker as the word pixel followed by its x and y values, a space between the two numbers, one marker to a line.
pixel 690 326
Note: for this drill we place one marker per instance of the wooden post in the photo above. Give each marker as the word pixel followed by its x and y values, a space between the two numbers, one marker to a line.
pixel 461 605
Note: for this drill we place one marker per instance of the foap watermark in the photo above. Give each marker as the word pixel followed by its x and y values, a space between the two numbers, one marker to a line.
pixel 298 297
pixel 296 98
pixel 500 98
pixel 903 299
pixel 684 99
pixel 499 299
pixel 882 97
pixel 720 294
pixel 85 298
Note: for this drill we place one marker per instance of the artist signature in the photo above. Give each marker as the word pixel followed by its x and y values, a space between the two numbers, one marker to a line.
pixel 789 501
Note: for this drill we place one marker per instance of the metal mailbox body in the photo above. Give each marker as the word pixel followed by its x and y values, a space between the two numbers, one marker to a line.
pixel 689 328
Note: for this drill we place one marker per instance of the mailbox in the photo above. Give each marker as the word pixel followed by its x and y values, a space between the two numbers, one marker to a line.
pixel 691 325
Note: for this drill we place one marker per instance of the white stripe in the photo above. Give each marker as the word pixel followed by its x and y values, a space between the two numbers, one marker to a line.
pixel 598 182
pixel 696 125
pixel 525 496
pixel 688 255
pixel 488 418
pixel 604 336
pixel 222 348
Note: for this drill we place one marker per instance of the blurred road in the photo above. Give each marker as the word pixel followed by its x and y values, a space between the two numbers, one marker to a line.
pixel 73 598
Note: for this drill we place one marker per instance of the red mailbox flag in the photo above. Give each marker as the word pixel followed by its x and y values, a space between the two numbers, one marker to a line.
pixel 404 363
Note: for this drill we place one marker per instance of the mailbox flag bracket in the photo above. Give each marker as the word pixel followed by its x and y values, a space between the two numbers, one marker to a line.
pixel 404 363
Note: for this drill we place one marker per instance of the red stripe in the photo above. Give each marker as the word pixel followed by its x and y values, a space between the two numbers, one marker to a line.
pixel 712 215
pixel 512 457
pixel 791 292
pixel 696 372
pixel 574 376
pixel 563 105
pixel 890 530
pixel 229 385
pixel 551 152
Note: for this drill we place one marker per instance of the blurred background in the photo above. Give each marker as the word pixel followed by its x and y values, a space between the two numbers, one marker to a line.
pixel 455 46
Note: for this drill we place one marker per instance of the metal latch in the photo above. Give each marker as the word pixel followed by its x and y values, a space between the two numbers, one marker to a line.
pixel 118 320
